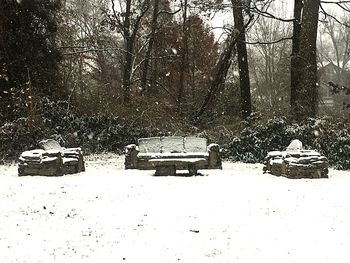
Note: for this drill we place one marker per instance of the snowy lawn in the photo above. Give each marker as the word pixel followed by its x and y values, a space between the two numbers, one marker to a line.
pixel 237 214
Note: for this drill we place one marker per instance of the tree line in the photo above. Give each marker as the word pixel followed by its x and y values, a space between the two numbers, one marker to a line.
pixel 115 56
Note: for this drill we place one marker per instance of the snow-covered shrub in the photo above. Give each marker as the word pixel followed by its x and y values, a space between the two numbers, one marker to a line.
pixel 62 122
pixel 18 136
pixel 338 147
pixel 94 133
pixel 254 142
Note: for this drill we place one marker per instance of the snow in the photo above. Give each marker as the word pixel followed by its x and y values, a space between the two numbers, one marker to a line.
pixel 195 144
pixel 295 145
pixel 173 155
pixel 108 214
pixel 172 144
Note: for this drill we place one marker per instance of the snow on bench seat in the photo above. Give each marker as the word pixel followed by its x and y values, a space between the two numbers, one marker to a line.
pixel 176 148
pixel 175 161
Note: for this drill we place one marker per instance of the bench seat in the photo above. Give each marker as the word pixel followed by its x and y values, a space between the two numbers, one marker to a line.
pixel 166 154
pixel 148 156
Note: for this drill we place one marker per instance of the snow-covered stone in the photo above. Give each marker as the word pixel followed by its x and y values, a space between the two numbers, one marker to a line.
pixel 52 160
pixel 182 149
pixel 296 162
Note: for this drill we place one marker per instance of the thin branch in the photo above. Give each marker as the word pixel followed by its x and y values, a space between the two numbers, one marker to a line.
pixel 168 12
pixel 326 14
pixel 154 58
pixel 116 15
pixel 337 3
pixel 161 86
pixel 270 42
pixel 270 15
pixel 90 50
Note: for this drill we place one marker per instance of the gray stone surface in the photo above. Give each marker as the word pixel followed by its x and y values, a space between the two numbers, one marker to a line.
pixel 52 160
pixel 296 163
pixel 181 149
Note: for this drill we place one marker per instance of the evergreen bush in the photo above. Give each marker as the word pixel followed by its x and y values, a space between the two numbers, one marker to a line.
pixel 254 142
pixel 107 133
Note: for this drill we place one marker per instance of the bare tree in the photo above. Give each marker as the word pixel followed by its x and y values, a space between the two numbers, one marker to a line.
pixel 129 24
pixel 294 70
pixel 91 54
pixel 335 37
pixel 246 105
pixel 222 66
pixel 154 25
pixel 306 93
pixel 269 56
pixel 184 54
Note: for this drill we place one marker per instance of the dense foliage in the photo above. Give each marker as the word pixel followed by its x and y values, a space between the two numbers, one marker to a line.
pixel 330 138
pixel 94 133
pixel 28 56
pixel 102 132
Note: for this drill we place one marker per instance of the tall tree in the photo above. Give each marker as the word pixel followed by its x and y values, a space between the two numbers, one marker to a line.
pixel 154 25
pixel 28 55
pixel 269 60
pixel 91 56
pixel 333 46
pixel 306 90
pixel 184 55
pixel 294 72
pixel 223 64
pixel 246 105
pixel 128 22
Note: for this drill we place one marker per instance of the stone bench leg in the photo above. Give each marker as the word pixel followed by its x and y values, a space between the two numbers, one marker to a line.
pixel 166 170
pixel 192 169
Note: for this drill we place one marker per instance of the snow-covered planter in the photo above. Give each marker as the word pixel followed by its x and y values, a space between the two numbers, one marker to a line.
pixel 296 163
pixel 51 160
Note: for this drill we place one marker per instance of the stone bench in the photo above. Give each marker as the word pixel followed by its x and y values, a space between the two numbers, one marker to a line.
pixel 51 160
pixel 296 163
pixel 168 154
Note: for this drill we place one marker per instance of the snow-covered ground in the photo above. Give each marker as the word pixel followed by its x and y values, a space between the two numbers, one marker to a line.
pixel 237 214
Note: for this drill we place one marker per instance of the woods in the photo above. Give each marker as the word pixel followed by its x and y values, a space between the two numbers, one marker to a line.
pixel 29 57
pixel 160 66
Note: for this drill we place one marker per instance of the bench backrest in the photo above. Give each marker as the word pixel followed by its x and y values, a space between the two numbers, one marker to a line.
pixel 195 144
pixel 150 145
pixel 172 144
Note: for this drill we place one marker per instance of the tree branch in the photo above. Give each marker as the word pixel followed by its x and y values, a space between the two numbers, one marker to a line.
pixel 326 14
pixel 116 17
pixel 270 15
pixel 168 12
pixel 270 42
pixel 89 50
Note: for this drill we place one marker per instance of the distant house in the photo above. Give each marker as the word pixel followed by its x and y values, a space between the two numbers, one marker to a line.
pixel 334 87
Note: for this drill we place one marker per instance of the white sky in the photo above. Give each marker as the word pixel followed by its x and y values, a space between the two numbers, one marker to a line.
pixel 224 18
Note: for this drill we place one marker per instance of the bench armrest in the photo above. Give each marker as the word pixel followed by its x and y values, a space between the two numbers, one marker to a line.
pixel 131 152
pixel 214 161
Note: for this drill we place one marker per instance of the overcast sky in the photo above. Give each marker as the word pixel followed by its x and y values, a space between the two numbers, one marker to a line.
pixel 280 8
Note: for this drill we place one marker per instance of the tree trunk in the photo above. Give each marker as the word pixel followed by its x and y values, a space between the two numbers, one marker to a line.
pixel 221 70
pixel 246 105
pixel 128 45
pixel 184 54
pixel 307 98
pixel 294 71
pixel 130 37
pixel 154 25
